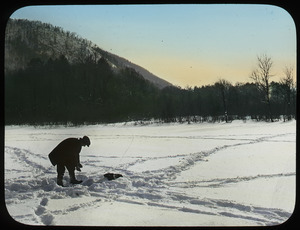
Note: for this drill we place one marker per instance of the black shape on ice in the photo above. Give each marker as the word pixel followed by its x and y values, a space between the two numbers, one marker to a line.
pixel 112 176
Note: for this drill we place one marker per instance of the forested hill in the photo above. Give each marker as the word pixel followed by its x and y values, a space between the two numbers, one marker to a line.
pixel 25 40
pixel 56 77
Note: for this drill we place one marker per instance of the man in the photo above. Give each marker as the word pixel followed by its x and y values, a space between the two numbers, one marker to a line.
pixel 66 154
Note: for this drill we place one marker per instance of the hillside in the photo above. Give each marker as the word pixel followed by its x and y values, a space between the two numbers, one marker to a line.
pixel 25 40
pixel 54 77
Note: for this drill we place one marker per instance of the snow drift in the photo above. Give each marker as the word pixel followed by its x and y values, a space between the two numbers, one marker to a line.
pixel 173 175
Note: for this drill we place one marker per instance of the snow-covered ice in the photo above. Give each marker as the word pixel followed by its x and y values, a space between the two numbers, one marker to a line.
pixel 241 173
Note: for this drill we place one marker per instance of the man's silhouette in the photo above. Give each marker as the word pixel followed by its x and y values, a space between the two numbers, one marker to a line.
pixel 66 155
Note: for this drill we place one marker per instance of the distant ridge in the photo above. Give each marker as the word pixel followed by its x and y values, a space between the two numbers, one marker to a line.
pixel 26 39
pixel 161 83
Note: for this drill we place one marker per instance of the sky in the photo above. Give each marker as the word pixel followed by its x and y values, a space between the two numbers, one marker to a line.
pixel 185 44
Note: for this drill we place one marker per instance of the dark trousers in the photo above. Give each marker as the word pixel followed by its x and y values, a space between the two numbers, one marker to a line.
pixel 61 170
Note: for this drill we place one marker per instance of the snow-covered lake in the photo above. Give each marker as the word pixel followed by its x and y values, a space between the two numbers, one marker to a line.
pixel 174 175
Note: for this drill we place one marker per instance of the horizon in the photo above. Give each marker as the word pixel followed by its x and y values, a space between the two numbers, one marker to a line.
pixel 186 45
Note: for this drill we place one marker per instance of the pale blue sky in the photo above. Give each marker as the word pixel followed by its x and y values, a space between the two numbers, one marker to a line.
pixel 184 44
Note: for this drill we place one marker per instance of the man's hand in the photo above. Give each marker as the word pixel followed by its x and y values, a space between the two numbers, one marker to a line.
pixel 78 167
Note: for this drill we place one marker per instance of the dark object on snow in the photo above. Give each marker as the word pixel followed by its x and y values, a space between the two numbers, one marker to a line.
pixel 112 176
pixel 66 155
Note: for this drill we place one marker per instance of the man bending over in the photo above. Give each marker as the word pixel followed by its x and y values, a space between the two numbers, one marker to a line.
pixel 66 155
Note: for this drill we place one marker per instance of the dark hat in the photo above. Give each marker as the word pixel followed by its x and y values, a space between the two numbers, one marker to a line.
pixel 86 140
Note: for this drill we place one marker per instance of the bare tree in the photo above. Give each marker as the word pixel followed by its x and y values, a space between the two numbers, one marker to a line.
pixel 224 85
pixel 261 76
pixel 288 83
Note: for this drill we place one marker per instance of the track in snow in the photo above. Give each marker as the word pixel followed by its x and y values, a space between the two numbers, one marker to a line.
pixel 30 184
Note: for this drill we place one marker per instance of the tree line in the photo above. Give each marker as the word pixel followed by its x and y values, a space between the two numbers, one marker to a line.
pixel 57 92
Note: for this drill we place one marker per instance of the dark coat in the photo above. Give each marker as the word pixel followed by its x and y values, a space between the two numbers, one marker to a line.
pixel 66 153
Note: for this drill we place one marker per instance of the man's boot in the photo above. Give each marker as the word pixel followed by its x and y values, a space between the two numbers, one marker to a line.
pixel 73 179
pixel 59 181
